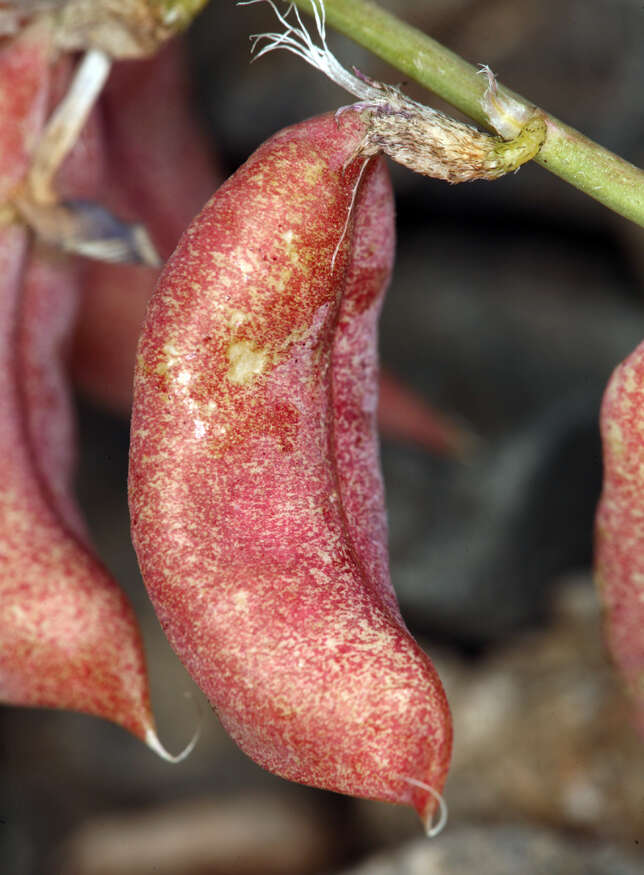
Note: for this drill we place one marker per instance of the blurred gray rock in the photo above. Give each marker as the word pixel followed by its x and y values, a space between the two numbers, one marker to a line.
pixel 543 730
pixel 502 850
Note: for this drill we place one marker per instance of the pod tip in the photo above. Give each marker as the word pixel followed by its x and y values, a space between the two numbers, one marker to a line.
pixel 434 821
pixel 153 742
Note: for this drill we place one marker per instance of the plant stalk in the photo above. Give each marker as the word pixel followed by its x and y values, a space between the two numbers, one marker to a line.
pixel 567 153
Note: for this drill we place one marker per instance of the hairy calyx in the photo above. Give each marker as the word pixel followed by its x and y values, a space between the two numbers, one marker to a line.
pixel 417 136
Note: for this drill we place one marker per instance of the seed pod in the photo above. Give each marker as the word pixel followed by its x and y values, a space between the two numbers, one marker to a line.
pixel 255 494
pixel 619 545
pixel 68 636
pixel 354 375
pixel 24 92
pixel 46 315
pixel 47 311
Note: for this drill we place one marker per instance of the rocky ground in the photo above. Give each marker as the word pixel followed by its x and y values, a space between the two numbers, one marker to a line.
pixel 510 305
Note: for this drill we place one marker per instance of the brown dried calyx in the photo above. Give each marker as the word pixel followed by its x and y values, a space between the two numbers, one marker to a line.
pixel 417 136
pixel 427 141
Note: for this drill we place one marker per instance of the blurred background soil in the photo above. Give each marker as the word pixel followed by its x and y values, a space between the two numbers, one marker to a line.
pixel 510 305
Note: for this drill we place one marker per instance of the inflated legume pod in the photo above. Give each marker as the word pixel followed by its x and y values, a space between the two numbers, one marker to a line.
pixel 255 491
pixel 47 310
pixel 68 636
pixel 619 545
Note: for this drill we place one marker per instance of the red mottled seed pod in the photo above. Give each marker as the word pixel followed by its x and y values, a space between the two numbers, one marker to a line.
pixel 68 636
pixel 47 310
pixel 619 545
pixel 24 93
pixel 255 490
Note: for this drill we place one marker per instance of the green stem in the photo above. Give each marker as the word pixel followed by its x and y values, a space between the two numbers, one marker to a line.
pixel 567 153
